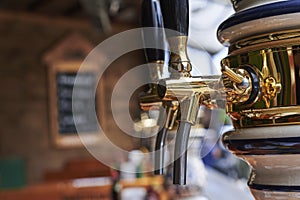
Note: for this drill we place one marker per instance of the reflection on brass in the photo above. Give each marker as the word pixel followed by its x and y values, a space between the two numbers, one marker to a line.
pixel 179 58
pixel 275 70
pixel 172 114
pixel 232 75
pixel 190 94
pixel 270 90
pixel 153 101
pixel 267 117
pixel 267 40
pixel 293 75
pixel 156 70
pixel 237 91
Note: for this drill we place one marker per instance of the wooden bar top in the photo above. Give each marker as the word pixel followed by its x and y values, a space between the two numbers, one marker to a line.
pixel 79 189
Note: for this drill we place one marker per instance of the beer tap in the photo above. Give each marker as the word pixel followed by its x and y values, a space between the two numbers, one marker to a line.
pixel 190 92
pixel 180 94
pixel 159 59
pixel 176 17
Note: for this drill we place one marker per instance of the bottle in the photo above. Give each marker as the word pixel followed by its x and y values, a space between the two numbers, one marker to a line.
pixel 115 176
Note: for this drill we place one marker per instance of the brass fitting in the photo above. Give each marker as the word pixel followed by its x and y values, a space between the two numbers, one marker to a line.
pixel 270 89
pixel 180 61
pixel 235 77
pixel 246 85
pixel 237 83
pixel 152 100
pixel 190 94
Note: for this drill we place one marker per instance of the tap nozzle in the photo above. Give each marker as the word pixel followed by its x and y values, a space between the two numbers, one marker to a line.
pixel 189 108
pixel 171 109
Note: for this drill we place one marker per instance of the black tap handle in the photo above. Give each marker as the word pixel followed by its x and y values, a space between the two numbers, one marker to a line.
pixel 176 15
pixel 151 14
pixel 152 17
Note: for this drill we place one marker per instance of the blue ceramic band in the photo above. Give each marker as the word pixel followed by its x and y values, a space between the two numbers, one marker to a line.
pixel 268 10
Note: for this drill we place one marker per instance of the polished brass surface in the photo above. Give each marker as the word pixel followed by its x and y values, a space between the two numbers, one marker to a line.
pixel 278 39
pixel 172 113
pixel 237 92
pixel 180 61
pixel 152 101
pixel 268 117
pixel 270 89
pixel 275 97
pixel 191 93
pixel 188 93
pixel 157 70
pixel 235 77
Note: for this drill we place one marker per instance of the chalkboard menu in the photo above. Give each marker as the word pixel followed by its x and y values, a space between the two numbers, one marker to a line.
pixel 74 101
pixel 76 113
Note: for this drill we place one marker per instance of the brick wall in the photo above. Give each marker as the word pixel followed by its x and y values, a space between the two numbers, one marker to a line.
pixel 24 112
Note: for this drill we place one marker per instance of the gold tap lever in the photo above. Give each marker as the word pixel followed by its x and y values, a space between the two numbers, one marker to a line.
pixel 232 75
pixel 241 81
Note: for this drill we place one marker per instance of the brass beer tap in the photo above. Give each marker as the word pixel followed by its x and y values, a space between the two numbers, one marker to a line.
pixel 191 92
pixel 181 94
pixel 159 58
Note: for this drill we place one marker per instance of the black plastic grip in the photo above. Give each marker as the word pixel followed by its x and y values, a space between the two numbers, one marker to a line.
pixel 151 14
pixel 152 17
pixel 176 15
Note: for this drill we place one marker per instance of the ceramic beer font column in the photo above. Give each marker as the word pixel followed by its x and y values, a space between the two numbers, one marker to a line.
pixel 264 46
